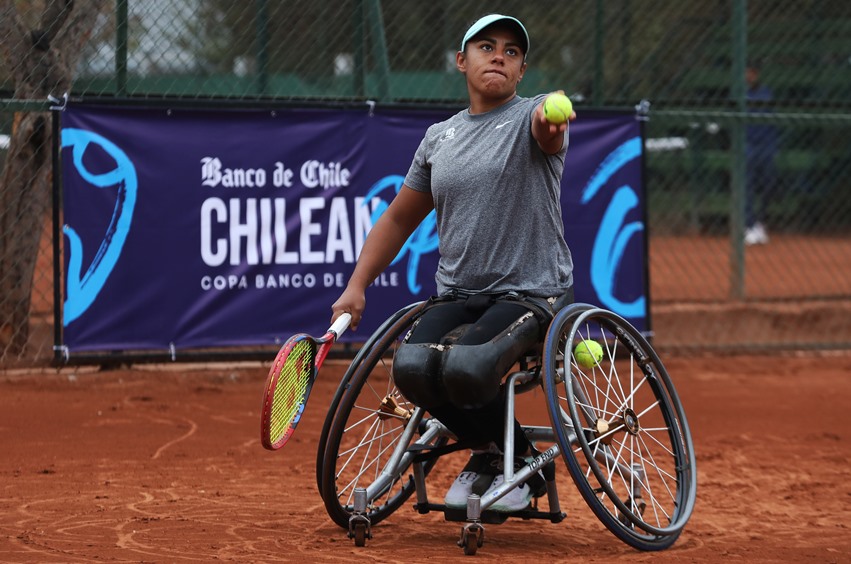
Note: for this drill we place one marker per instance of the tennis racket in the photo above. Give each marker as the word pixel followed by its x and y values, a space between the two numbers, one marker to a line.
pixel 290 380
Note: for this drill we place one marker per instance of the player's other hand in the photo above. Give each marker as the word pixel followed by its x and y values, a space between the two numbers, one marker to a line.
pixel 351 301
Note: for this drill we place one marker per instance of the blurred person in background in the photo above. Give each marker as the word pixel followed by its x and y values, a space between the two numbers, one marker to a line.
pixel 760 149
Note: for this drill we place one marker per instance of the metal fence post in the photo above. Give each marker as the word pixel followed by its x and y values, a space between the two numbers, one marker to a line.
pixel 737 162
pixel 379 49
pixel 262 23
pixel 359 71
pixel 121 48
pixel 597 93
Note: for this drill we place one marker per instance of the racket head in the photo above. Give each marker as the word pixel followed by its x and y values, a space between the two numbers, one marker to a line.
pixel 287 388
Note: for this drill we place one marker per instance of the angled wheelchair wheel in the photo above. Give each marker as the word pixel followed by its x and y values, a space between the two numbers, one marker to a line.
pixel 358 360
pixel 371 420
pixel 620 427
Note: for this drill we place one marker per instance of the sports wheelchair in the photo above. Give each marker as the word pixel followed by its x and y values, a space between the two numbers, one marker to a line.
pixel 618 425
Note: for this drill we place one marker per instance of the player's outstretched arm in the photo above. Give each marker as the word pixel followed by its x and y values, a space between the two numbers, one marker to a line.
pixel 383 243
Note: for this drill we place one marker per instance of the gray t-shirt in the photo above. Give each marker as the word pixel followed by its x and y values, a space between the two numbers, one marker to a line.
pixel 497 200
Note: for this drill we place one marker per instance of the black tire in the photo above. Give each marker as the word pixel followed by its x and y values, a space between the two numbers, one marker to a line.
pixel 362 436
pixel 621 428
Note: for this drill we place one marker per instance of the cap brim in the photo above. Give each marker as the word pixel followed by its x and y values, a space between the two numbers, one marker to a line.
pixel 491 19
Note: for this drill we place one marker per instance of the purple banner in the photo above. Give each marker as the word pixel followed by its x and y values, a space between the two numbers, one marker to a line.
pixel 195 229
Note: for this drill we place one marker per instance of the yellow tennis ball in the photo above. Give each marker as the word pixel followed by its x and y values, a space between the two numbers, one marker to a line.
pixel 557 108
pixel 588 353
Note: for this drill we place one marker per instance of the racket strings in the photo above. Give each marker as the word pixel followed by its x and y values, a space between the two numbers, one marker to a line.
pixel 293 377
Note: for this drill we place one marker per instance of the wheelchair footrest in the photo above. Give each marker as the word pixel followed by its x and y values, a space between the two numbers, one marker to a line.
pixel 490 517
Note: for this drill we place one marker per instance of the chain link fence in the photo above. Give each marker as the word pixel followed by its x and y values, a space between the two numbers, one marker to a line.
pixel 749 214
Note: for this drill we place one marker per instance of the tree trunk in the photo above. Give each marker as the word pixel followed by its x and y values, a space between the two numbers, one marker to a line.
pixel 42 61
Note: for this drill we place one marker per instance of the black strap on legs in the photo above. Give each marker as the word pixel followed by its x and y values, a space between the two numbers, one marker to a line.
pixel 541 308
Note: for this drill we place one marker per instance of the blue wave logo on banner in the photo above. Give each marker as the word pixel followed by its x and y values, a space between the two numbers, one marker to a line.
pixel 83 290
pixel 614 233
pixel 422 241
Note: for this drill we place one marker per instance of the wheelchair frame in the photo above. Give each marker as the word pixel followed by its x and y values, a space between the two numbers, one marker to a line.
pixel 619 426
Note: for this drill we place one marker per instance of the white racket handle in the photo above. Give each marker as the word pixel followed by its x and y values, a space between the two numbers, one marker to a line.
pixel 341 324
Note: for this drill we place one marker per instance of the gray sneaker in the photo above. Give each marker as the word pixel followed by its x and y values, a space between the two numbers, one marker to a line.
pixel 471 476
pixel 462 487
pixel 517 499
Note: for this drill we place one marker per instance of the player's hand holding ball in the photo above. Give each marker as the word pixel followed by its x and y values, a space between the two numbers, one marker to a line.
pixel 552 117
pixel 557 108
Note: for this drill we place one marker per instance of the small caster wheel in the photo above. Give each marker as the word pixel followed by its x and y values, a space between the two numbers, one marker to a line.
pixel 470 546
pixel 472 538
pixel 360 534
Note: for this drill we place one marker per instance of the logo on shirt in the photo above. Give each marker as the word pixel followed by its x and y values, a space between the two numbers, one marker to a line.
pixel 448 134
pixel 503 124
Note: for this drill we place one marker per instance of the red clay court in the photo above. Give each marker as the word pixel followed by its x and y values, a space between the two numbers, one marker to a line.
pixel 164 464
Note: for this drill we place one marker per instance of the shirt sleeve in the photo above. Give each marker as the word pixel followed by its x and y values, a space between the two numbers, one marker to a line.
pixel 419 174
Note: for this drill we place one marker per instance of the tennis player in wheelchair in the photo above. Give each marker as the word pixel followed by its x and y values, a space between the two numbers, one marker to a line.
pixel 493 174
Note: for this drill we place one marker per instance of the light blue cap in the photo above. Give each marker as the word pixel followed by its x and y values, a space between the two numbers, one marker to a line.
pixel 491 19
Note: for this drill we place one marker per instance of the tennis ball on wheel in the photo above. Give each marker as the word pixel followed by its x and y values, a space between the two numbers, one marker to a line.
pixel 557 108
pixel 588 353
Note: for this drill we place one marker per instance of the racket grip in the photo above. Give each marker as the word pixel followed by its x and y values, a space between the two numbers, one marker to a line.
pixel 341 324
